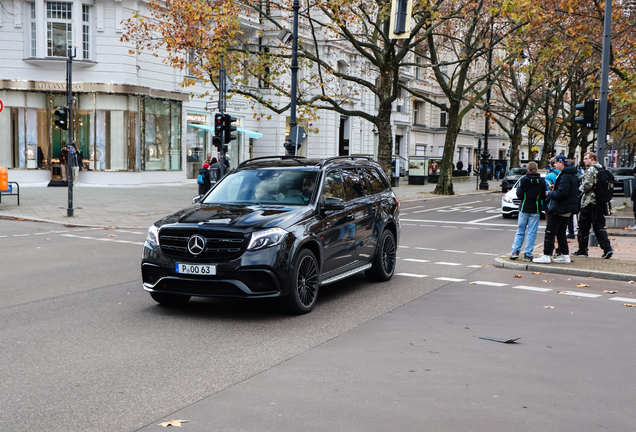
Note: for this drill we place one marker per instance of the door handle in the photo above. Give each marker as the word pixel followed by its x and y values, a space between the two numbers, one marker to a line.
pixel 350 217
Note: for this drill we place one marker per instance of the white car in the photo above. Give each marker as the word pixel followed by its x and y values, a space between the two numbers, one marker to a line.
pixel 510 202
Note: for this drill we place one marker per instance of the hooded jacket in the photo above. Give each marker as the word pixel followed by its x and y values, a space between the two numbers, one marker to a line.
pixel 531 192
pixel 565 196
pixel 203 188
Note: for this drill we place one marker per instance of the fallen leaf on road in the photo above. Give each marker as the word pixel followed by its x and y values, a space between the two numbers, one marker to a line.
pixel 582 285
pixel 471 283
pixel 536 272
pixel 610 292
pixel 569 278
pixel 482 265
pixel 112 235
pixel 630 282
pixel 590 277
pixel 612 238
pixel 38 247
pixel 629 304
pixel 549 307
pixel 46 238
pixel 176 423
pixel 518 276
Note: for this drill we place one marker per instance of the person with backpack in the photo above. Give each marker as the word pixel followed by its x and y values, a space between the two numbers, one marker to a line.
pixel 531 191
pixel 564 200
pixel 203 179
pixel 597 189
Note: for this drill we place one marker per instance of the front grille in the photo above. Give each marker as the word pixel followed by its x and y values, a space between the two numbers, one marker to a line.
pixel 220 245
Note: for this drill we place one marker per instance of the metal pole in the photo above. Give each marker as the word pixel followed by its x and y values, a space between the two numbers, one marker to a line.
pixel 292 147
pixel 485 155
pixel 71 150
pixel 602 109
pixel 222 96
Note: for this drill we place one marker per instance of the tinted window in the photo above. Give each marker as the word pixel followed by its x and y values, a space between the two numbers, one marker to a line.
pixel 622 171
pixel 517 171
pixel 333 186
pixel 375 180
pixel 353 184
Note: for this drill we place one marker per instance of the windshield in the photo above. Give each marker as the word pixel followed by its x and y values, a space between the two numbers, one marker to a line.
pixel 264 186
pixel 517 171
pixel 622 171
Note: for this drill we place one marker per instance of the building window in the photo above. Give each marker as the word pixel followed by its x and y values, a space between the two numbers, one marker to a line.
pixel 86 32
pixel 59 28
pixel 33 32
pixel 444 71
pixel 420 150
pixel 418 68
pixel 442 119
pixel 418 113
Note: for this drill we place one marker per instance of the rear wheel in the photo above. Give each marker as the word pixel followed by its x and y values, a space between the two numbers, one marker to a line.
pixel 169 299
pixel 303 290
pixel 384 262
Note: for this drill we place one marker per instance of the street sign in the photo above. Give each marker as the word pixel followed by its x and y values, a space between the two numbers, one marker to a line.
pixel 1 106
pixel 297 135
pixel 230 105
pixel 212 105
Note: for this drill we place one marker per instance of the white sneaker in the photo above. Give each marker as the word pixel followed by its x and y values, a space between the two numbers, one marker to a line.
pixel 562 259
pixel 543 259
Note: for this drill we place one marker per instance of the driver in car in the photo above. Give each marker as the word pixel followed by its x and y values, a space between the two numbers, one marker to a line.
pixel 308 187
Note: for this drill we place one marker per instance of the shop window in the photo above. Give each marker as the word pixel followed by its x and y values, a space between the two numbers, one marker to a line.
pixel 59 28
pixel 162 135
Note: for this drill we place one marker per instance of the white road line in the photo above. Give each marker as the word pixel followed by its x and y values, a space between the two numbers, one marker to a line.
pixel 474 223
pixel 474 266
pixel 454 251
pixel 404 247
pixel 529 288
pixel 623 299
pixel 41 233
pixel 493 229
pixel 495 284
pixel 484 253
pixel 424 248
pixel 430 226
pixel 3 236
pixel 20 235
pixel 407 224
pixel 412 275
pixel 130 232
pixel 447 263
pixel 454 227
pixel 416 260
pixel 101 239
pixel 59 232
pixel 470 228
pixel 428 210
pixel 450 279
pixel 579 294
pixel 465 204
pixel 484 219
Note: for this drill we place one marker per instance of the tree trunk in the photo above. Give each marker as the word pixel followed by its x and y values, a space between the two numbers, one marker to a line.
pixel 445 180
pixel 385 138
pixel 515 145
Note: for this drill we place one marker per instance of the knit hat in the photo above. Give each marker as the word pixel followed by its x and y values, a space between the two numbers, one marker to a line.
pixel 206 165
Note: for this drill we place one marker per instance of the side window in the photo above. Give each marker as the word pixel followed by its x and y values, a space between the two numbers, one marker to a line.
pixel 353 184
pixel 333 186
pixel 375 180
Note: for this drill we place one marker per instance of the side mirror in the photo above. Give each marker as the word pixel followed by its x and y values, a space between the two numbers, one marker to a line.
pixel 333 203
pixel 196 199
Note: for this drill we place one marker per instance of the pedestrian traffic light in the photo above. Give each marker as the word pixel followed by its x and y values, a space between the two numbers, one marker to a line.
pixel 218 125
pixel 587 119
pixel 229 128
pixel 62 118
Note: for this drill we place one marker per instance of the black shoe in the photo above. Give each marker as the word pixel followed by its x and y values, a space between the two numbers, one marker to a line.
pixel 571 236
pixel 580 254
pixel 514 255
pixel 527 257
pixel 608 254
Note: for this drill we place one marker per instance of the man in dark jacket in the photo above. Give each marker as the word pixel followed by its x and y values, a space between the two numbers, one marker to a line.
pixel 564 200
pixel 203 179
pixel 531 191
pixel 634 197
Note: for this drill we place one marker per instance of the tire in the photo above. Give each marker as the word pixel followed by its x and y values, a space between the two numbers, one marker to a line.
pixel 168 299
pixel 303 290
pixel 507 216
pixel 384 261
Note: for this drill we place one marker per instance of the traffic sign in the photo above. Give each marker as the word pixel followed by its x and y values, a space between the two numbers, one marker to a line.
pixel 1 106
pixel 297 135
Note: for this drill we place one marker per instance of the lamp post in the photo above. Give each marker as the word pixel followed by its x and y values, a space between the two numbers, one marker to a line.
pixel 292 146
pixel 485 155
pixel 478 161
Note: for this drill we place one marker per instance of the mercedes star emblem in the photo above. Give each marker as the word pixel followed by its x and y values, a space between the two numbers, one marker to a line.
pixel 196 244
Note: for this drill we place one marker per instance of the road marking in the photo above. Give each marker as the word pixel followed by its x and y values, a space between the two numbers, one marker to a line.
pixel 3 236
pixel 41 233
pixel 484 219
pixel 623 299
pixel 416 260
pixel 101 239
pixel 20 235
pixel 424 248
pixel 472 202
pixel 454 251
pixel 474 266
pixel 475 223
pixel 454 227
pixel 130 232
pixel 579 294
pixel 407 224
pixel 450 279
pixel 430 226
pixel 412 275
pixel 470 228
pixel 404 247
pixel 447 263
pixel 495 284
pixel 428 210
pixel 529 288
pixel 493 229
pixel 485 253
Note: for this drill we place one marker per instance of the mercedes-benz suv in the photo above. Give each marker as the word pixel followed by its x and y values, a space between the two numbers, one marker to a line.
pixel 277 227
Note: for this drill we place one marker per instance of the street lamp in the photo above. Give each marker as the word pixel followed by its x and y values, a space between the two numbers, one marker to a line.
pixel 292 146
pixel 485 155
pixel 478 161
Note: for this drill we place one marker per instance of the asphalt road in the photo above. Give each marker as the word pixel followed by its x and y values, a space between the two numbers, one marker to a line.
pixel 84 348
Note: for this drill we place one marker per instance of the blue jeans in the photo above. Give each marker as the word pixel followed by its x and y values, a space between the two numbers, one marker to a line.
pixel 528 222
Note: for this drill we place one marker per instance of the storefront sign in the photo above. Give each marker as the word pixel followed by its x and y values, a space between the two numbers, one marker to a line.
pixel 60 86
pixel 197 118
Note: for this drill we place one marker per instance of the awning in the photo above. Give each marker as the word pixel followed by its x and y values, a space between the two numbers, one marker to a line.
pixel 247 132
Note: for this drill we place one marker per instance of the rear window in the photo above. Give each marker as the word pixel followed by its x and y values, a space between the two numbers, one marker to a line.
pixel 517 171
pixel 378 185
pixel 353 184
pixel 622 171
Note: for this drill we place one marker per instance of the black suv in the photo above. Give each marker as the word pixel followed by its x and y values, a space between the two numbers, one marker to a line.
pixel 277 227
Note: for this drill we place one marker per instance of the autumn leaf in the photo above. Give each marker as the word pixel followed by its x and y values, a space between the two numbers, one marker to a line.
pixel 112 235
pixel 518 276
pixel 631 282
pixel 176 423
pixel 549 307
pixel 610 292
pixel 629 304
pixel 46 238
pixel 536 272
pixel 582 285
pixel 546 281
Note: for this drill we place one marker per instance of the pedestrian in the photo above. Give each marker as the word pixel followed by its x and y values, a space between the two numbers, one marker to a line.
pixel 531 192
pixel 571 234
pixel 215 170
pixel 592 210
pixel 203 179
pixel 564 200
pixel 76 162
pixel 63 158
pixel 497 171
pixel 633 194
pixel 460 165
pixel 208 159
pixel 470 169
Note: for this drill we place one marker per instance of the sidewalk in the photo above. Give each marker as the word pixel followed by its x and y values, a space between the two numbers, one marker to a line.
pixel 134 207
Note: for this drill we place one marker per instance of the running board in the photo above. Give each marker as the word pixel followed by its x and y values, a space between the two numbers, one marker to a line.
pixel 346 274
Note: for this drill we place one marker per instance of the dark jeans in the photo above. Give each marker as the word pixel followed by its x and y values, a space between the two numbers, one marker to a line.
pixel 555 227
pixel 571 224
pixel 593 216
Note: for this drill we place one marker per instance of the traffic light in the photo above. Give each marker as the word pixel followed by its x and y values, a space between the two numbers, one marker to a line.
pixel 587 119
pixel 62 118
pixel 218 125
pixel 217 142
pixel 228 128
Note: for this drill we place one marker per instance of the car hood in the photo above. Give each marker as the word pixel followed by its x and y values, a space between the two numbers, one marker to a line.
pixel 237 216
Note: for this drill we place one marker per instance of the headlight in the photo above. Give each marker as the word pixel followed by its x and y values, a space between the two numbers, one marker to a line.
pixel 266 238
pixel 507 199
pixel 153 236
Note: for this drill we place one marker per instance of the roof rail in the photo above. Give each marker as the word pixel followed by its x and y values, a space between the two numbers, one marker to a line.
pixel 296 158
pixel 369 158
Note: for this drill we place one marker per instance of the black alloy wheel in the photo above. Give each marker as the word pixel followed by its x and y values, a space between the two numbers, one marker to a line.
pixel 303 291
pixel 384 262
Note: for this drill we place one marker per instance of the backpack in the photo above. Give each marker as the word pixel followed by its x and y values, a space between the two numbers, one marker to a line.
pixel 201 178
pixel 604 186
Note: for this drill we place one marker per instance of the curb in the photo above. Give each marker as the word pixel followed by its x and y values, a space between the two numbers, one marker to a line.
pixel 65 223
pixel 563 270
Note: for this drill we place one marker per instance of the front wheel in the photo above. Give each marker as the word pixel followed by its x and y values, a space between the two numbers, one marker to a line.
pixel 384 262
pixel 303 290
pixel 168 299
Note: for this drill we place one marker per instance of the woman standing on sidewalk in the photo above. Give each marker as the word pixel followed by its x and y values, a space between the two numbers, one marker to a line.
pixel 531 192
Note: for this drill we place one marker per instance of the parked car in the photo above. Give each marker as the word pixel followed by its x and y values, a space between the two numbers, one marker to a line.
pixel 621 174
pixel 510 202
pixel 277 227
pixel 514 174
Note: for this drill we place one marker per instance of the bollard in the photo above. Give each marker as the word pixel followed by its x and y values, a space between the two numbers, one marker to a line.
pixel 627 188
pixel 4 179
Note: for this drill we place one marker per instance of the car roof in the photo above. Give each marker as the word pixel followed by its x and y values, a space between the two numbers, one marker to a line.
pixel 303 163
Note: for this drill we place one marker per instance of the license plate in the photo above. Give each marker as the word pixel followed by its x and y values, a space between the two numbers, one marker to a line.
pixel 202 269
